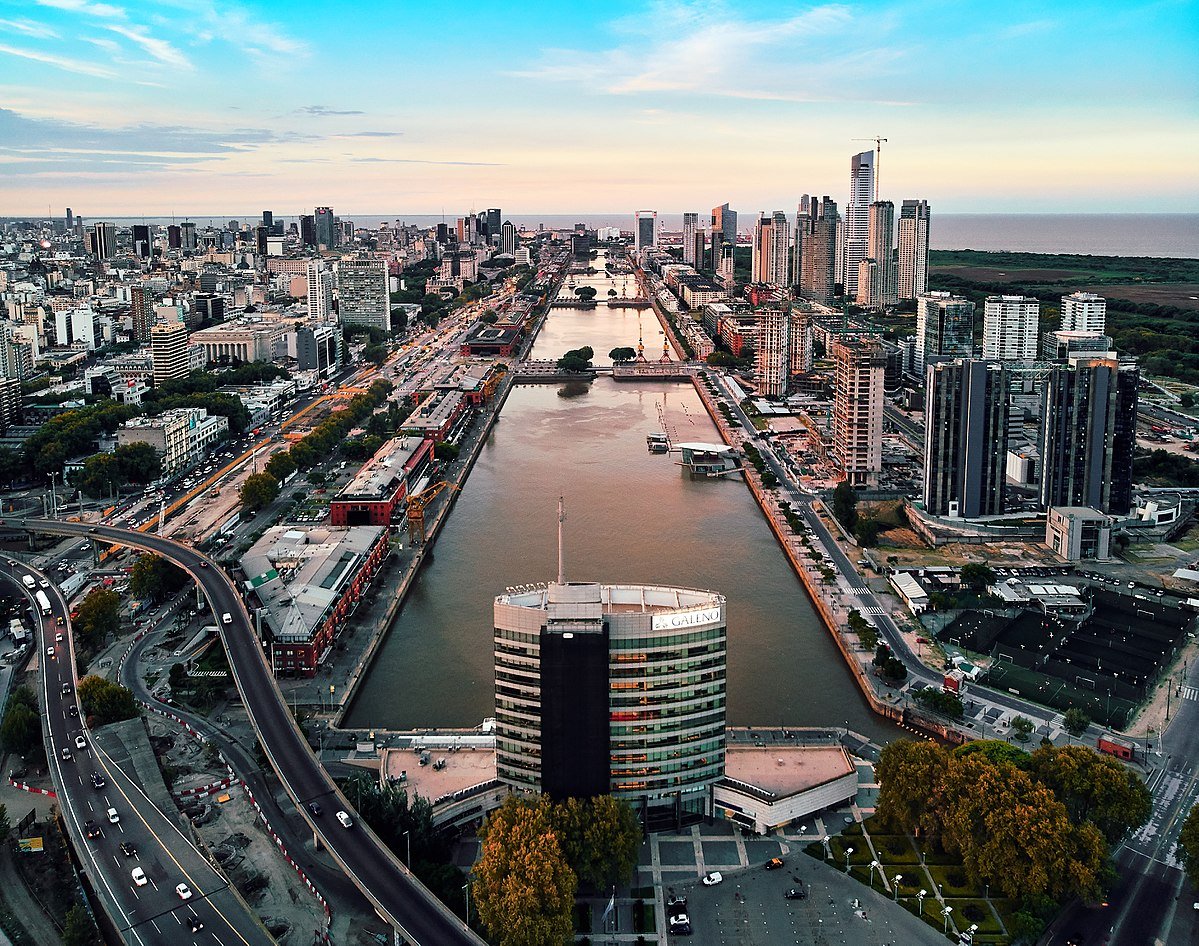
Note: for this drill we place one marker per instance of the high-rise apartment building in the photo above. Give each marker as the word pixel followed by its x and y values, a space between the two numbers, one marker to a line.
pixel 362 296
pixel 168 352
pixel 857 219
pixel 690 226
pixel 1084 312
pixel 773 354
pixel 187 236
pixel 1010 327
pixel 723 232
pixel 771 248
pixel 876 273
pixel 965 438
pixel 104 240
pixel 325 229
pixel 944 329
pixel 320 291
pixel 508 238
pixel 800 341
pixel 815 271
pixel 612 689
pixel 1088 434
pixel 858 408
pixel 142 310
pixel 645 229
pixel 913 249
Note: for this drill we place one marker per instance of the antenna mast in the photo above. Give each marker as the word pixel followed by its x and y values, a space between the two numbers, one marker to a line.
pixel 561 519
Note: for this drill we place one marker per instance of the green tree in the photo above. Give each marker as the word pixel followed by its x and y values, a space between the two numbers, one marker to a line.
pixel 1076 721
pixel 445 451
pixel 599 838
pixel 97 617
pixel 78 928
pixel 21 731
pixel 1186 400
pixel 12 467
pixel 101 475
pixel 376 354
pixel 177 677
pixel 977 577
pixel 586 293
pixel 845 505
pixel 489 317
pixel 1094 787
pixel 106 701
pixel 1188 845
pixel 910 775
pixel 140 462
pixel 622 354
pixel 153 577
pixel 258 491
pixel 996 751
pixel 280 465
pixel 5 824
pixel 524 889
pixel 1022 726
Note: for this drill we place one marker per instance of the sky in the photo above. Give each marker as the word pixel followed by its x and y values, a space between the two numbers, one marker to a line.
pixel 212 107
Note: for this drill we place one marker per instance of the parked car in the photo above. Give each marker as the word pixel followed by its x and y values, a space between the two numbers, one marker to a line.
pixel 796 893
pixel 128 848
pixel 774 863
pixel 712 879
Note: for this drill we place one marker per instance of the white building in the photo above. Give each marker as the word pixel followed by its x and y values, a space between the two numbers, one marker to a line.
pixel 913 249
pixel 774 352
pixel 182 436
pixel 1010 327
pixel 690 226
pixel 645 230
pixel 320 291
pixel 362 291
pixel 857 218
pixel 1084 312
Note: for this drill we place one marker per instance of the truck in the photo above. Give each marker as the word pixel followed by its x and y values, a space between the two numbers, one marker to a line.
pixel 43 602
pixel 1124 749
pixel 954 682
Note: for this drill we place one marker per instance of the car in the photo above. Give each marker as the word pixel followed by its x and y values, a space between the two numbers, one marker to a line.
pixel 129 849
pixel 73 711
pixel 680 925
pixel 92 830
pixel 50 651
pixel 113 817
pixel 226 618
pixel 98 781
pixel 66 688
pixel 774 863
pixel 66 754
pixel 42 583
pixel 92 530
pixel 58 638
pixel 80 743
pixel 139 877
pixel 796 893
pixel 59 620
pixel 712 879
pixel 203 564
pixel 345 819
pixel 184 891
pixel 314 808
pixel 194 923
pixel 676 906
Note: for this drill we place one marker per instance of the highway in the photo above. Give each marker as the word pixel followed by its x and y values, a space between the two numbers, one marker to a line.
pixel 89 785
pixel 394 892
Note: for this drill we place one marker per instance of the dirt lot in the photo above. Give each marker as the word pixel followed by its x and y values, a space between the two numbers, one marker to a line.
pixel 1011 274
pixel 1182 294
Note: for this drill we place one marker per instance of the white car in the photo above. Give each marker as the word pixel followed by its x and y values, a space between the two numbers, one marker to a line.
pixel 58 638
pixel 712 879
pixel 345 819
pixel 184 891
pixel 113 817
pixel 80 743
pixel 139 877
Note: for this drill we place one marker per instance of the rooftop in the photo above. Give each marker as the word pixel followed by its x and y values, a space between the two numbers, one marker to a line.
pixel 464 768
pixel 787 770
pixel 380 474
pixel 643 598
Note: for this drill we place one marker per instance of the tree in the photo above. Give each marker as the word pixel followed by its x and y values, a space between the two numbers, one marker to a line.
pixel 910 775
pixel 79 928
pixel 845 505
pixel 1094 788
pixel 1188 845
pixel 21 731
pixel 280 465
pixel 622 354
pixel 97 617
pixel 995 751
pixel 177 677
pixel 445 451
pixel 140 462
pixel 1186 400
pixel 586 293
pixel 977 577
pixel 524 889
pixel 106 701
pixel 153 577
pixel 258 491
pixel 489 317
pixel 376 354
pixel 5 824
pixel 101 475
pixel 1076 721
pixel 599 838
pixel 1022 726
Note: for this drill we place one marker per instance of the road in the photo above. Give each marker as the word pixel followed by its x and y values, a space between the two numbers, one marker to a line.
pixel 394 892
pixel 154 912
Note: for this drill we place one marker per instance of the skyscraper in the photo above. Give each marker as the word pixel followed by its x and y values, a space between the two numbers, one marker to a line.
pixel 876 273
pixel 612 689
pixel 268 220
pixel 690 226
pixel 187 236
pixel 816 248
pixel 362 291
pixel 645 231
pixel 492 219
pixel 142 312
pixel 168 352
pixel 771 246
pixel 773 354
pixel 1088 434
pixel 104 240
pixel 724 232
pixel 965 438
pixel 1083 312
pixel 759 252
pixel 858 408
pixel 174 237
pixel 944 329
pixel 320 291
pixel 325 229
pixel 857 218
pixel 913 249
pixel 141 241
pixel 1010 327
pixel 307 230
pixel 508 238
pixel 801 341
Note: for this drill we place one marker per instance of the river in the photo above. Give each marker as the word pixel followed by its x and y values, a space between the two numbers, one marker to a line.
pixel 632 516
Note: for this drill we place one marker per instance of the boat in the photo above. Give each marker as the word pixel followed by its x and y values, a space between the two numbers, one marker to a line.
pixel 658 442
pixel 708 459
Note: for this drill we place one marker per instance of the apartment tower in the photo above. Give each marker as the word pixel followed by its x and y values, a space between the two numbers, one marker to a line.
pixel 858 408
pixel 857 219
pixel 913 249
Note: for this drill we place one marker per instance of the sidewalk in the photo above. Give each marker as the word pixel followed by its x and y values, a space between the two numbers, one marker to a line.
pixel 21 903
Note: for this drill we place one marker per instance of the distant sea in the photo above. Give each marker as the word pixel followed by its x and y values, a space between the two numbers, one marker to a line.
pixel 1171 235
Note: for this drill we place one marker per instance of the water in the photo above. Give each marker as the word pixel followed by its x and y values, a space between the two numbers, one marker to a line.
pixel 631 517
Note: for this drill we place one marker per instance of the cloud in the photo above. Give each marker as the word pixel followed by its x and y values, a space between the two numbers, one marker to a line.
pixel 29 28
pixel 103 10
pixel 470 164
pixel 369 134
pixel 159 49
pixel 59 62
pixel 322 111
pixel 108 45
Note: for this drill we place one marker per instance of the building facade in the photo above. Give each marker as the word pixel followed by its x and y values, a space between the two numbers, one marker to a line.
pixel 320 291
pixel 876 273
pixel 645 230
pixel 913 249
pixel 362 295
pixel 816 249
pixel 858 408
pixel 944 329
pixel 1084 312
pixel 1010 327
pixel 168 352
pixel 773 355
pixel 857 219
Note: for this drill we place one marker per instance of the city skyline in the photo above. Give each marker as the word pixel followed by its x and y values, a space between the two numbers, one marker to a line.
pixel 119 112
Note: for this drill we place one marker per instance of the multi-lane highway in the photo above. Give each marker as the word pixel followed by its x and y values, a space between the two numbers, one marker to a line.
pixel 135 855
pixel 394 892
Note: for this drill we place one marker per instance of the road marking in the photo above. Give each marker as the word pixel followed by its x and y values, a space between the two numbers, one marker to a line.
pixel 1189 693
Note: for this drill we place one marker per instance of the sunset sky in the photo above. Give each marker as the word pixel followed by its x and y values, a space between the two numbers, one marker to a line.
pixel 202 106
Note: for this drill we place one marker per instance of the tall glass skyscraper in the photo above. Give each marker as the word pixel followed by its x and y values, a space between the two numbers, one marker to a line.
pixel 857 218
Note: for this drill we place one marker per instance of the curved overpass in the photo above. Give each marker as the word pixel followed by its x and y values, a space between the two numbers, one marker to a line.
pixel 396 894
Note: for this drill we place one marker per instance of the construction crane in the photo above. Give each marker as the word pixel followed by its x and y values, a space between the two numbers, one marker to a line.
pixel 416 510
pixel 878 160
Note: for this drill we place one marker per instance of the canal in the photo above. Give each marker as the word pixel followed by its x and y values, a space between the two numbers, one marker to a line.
pixel 632 516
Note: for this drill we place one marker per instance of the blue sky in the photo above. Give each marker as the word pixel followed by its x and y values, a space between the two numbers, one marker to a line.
pixel 203 106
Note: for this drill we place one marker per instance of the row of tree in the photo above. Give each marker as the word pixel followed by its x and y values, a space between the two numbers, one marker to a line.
pixel 577 359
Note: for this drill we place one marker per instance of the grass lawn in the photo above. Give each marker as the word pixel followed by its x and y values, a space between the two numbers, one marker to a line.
pixel 979 913
pixel 860 855
pixel 894 849
pixel 942 875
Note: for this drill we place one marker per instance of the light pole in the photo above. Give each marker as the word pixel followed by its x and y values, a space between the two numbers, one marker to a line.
pixel 945 913
pixel 920 900
pixel 848 851
pixel 466 889
pixel 895 889
pixel 408 838
pixel 874 865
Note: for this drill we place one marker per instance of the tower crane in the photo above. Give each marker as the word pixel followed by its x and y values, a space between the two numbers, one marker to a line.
pixel 416 510
pixel 878 161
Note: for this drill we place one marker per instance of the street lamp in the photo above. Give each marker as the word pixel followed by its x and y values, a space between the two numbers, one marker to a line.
pixel 848 851
pixel 408 838
pixel 945 913
pixel 874 865
pixel 895 889
pixel 920 899
pixel 466 889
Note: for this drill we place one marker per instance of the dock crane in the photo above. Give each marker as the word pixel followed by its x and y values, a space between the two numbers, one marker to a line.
pixel 416 510
pixel 878 160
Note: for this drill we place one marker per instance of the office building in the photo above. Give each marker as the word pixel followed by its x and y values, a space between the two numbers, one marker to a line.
pixel 815 269
pixel 944 329
pixel 493 218
pixel 308 230
pixel 858 408
pixel 724 233
pixel 1058 346
pixel 508 238
pixel 318 348
pixel 324 228
pixel 320 291
pixel 268 221
pixel 187 236
pixel 965 437
pixel 690 228
pixel 612 689
pixel 645 229
pixel 1084 312
pixel 243 341
pixel 142 247
pixel 142 310
pixel 174 237
pixel 362 295
pixel 913 249
pixel 183 436
pixel 773 355
pixel 168 352
pixel 104 240
pixel 857 219
pixel 876 273
pixel 1010 326
pixel 1088 434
